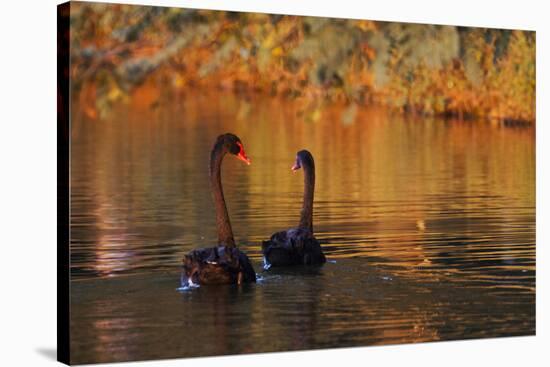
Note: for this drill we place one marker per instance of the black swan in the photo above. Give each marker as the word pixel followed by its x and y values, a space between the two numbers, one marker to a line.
pixel 223 264
pixel 297 246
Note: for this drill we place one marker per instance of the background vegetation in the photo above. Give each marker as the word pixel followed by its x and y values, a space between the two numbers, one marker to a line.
pixel 118 50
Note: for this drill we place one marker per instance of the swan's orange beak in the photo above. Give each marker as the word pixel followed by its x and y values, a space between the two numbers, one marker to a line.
pixel 242 155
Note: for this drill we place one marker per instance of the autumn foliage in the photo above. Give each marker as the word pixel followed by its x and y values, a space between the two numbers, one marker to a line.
pixel 116 50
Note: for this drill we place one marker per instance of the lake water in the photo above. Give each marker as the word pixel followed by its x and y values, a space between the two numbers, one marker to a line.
pixel 428 225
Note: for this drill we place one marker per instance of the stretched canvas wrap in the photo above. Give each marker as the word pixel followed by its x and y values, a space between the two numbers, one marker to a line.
pixel 235 183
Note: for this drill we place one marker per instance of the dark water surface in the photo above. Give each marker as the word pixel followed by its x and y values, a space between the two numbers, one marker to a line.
pixel 429 224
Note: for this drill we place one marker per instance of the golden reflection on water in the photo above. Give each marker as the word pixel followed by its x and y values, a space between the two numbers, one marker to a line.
pixel 388 186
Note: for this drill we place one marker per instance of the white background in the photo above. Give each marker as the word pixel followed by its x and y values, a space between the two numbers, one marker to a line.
pixel 28 182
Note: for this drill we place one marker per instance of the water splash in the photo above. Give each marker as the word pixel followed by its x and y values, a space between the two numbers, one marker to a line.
pixel 187 288
pixel 259 278
pixel 186 283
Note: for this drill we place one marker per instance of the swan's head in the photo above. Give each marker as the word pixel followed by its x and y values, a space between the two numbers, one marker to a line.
pixel 303 158
pixel 233 145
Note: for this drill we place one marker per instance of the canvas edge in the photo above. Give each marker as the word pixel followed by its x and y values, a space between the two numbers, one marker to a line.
pixel 63 148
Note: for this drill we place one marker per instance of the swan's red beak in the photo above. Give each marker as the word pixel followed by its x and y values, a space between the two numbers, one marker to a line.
pixel 242 155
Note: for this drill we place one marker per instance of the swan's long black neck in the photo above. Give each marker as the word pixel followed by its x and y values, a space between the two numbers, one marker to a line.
pixel 225 233
pixel 306 217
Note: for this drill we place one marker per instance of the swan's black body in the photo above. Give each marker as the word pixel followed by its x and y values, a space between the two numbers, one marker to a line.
pixel 297 246
pixel 224 263
pixel 217 265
